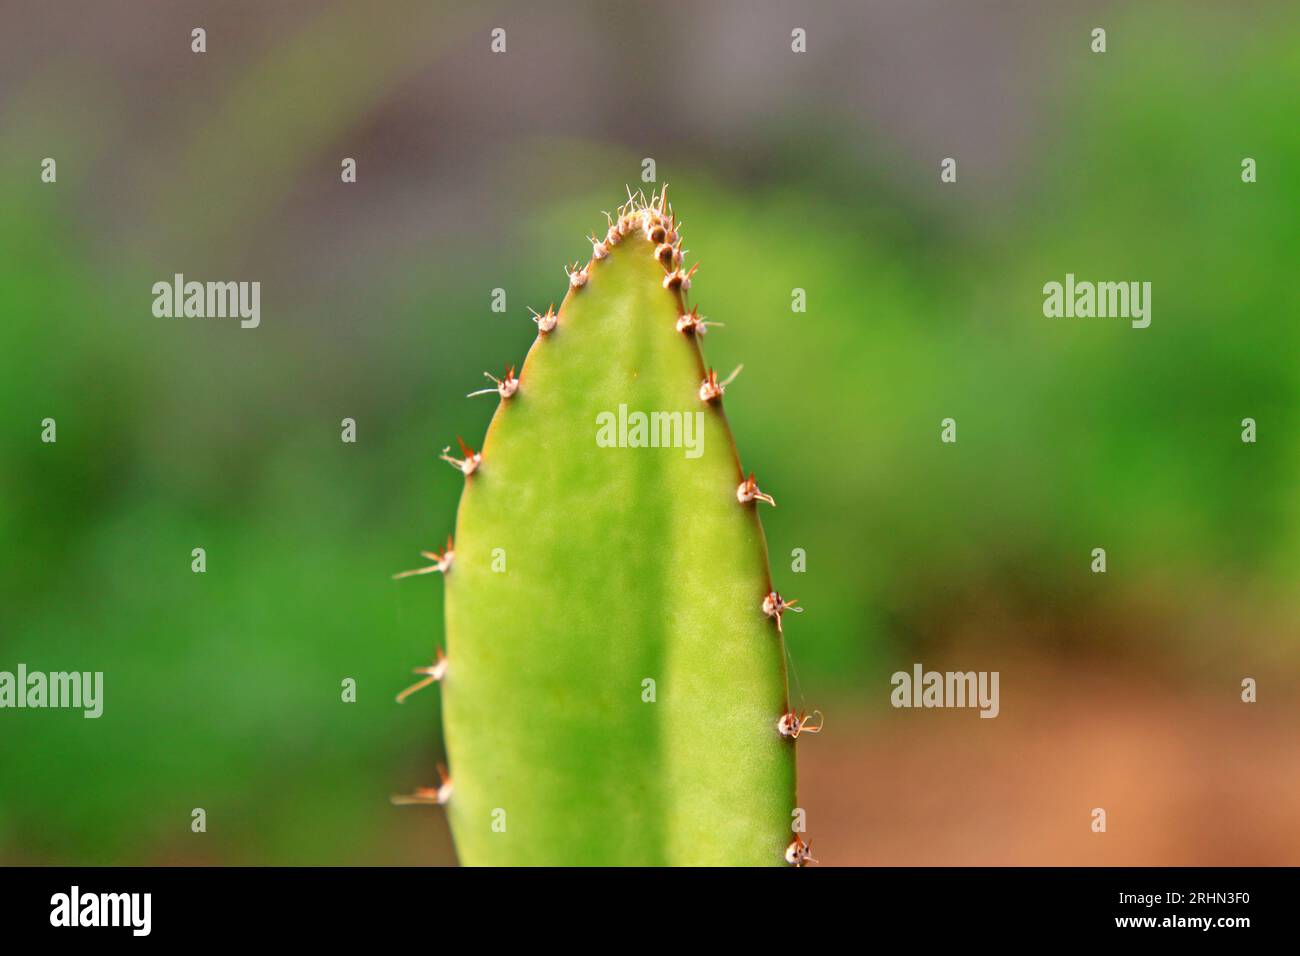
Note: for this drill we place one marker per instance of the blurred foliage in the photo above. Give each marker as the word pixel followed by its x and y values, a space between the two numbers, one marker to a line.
pixel 222 689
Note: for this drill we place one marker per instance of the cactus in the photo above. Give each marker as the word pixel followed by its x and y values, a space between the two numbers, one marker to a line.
pixel 614 687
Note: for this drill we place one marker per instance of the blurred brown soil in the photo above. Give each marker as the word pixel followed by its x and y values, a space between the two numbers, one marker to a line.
pixel 1186 779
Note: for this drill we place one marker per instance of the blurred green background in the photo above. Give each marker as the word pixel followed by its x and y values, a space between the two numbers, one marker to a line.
pixel 818 171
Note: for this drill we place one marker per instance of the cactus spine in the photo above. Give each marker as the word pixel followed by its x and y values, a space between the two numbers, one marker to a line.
pixel 614 688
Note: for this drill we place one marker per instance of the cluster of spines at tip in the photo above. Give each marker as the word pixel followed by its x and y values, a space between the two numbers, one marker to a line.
pixel 654 219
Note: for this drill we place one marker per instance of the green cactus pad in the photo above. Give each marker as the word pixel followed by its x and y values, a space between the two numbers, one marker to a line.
pixel 613 684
